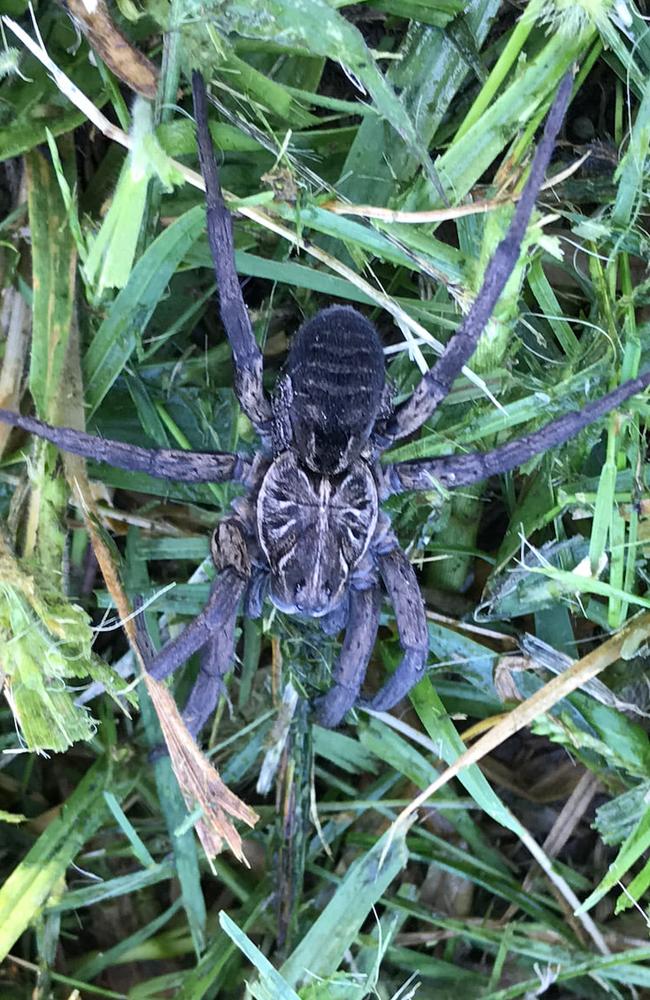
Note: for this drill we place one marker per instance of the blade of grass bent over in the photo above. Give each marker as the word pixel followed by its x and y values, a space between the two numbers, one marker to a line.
pixel 322 948
pixel 25 891
pixel 625 644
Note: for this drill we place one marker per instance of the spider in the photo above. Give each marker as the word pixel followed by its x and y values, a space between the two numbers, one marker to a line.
pixel 309 533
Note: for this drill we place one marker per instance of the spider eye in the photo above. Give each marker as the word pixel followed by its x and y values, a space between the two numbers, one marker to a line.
pixel 328 590
pixel 300 586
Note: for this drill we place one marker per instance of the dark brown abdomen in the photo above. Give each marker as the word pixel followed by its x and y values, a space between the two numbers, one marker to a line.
pixel 337 371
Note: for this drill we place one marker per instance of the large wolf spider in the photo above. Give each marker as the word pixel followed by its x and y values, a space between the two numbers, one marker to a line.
pixel 309 532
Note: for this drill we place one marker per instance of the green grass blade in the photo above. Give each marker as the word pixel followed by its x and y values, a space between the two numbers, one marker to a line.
pixel 634 846
pixel 322 948
pixel 54 264
pixel 27 888
pixel 271 985
pixel 119 334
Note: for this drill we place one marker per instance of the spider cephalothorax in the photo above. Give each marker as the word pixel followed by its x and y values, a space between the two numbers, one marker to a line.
pixel 309 533
pixel 314 530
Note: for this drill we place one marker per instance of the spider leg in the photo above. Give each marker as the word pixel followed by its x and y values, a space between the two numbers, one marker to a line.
pixel 163 463
pixel 402 586
pixel 226 591
pixel 460 470
pixel 216 661
pixel 437 382
pixel 234 315
pixel 213 629
pixel 216 658
pixel 353 659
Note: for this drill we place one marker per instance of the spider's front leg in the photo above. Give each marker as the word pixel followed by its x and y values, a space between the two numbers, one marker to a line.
pixel 402 586
pixel 436 384
pixel 462 470
pixel 163 463
pixel 350 669
pixel 247 355
pixel 213 630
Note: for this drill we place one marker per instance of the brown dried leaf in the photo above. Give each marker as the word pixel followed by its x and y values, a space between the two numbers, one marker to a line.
pixel 128 64
pixel 199 781
pixel 504 681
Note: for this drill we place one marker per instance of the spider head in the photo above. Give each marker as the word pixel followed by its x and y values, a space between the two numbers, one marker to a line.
pixel 313 594
pixel 313 530
pixel 336 377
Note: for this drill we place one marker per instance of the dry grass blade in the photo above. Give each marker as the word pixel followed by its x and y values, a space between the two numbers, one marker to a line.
pixel 568 818
pixel 128 64
pixel 562 889
pixel 624 644
pixel 17 338
pixel 199 782
pixel 444 214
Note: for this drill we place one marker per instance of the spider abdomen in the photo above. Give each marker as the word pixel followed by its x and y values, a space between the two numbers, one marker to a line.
pixel 337 373
pixel 314 530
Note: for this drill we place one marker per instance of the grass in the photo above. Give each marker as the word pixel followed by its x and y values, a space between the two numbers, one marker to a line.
pixel 526 871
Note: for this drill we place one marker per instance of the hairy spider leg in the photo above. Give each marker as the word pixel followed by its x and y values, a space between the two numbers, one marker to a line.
pixel 234 315
pixel 215 636
pixel 217 658
pixel 436 384
pixel 213 631
pixel 402 586
pixel 461 470
pixel 350 668
pixel 225 594
pixel 163 463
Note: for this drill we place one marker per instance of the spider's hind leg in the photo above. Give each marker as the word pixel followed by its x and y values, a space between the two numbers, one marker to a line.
pixel 402 586
pixel 213 630
pixel 350 669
